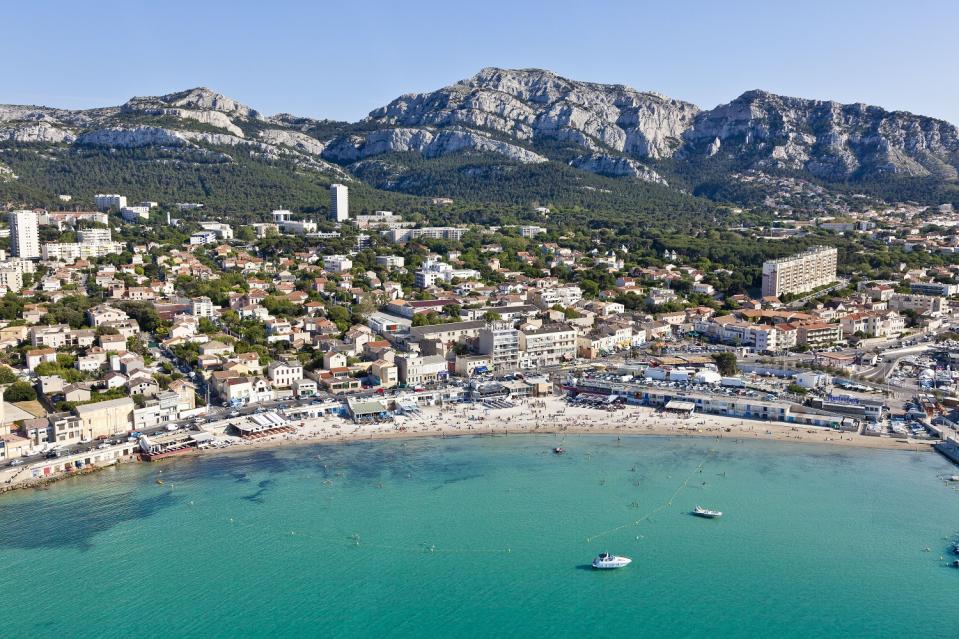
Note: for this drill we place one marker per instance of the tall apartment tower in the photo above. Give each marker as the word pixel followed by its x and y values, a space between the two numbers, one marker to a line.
pixel 24 234
pixel 339 203
pixel 800 273
pixel 105 202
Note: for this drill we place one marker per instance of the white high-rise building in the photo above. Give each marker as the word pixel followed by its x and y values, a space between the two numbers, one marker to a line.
pixel 24 234
pixel 800 273
pixel 339 203
pixel 110 201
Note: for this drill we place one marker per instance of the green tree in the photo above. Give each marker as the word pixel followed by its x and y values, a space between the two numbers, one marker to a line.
pixel 453 310
pixel 20 392
pixel 7 376
pixel 725 362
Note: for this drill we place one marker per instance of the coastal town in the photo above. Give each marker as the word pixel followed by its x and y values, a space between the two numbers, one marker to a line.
pixel 137 331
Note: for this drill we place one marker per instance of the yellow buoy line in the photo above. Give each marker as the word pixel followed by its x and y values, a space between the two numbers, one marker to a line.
pixel 661 507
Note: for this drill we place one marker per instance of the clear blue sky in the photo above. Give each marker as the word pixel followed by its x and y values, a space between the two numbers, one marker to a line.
pixel 342 59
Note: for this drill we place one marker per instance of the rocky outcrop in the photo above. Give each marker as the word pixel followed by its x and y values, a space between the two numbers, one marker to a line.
pixel 213 118
pixel 293 139
pixel 132 137
pixel 616 167
pixel 532 104
pixel 264 151
pixel 430 143
pixel 39 132
pixel 829 140
pixel 199 99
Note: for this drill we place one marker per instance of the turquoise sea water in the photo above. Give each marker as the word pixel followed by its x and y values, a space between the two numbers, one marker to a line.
pixel 490 537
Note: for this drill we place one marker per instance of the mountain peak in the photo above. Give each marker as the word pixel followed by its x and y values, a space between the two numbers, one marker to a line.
pixel 199 98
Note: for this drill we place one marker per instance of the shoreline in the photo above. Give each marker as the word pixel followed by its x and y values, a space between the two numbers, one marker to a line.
pixel 547 417
pixel 552 417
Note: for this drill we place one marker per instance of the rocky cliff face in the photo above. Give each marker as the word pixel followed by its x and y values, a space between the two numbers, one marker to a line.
pixel 612 166
pixel 40 132
pixel 760 130
pixel 831 141
pixel 428 142
pixel 531 105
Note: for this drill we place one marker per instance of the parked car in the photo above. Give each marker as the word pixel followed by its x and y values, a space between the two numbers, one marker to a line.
pixel 16 462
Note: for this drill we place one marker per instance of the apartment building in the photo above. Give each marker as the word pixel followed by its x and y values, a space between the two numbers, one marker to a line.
pixel 94 236
pixel 562 295
pixel 105 202
pixel 413 368
pixel 203 307
pixel 72 251
pixel 339 203
pixel 500 341
pixel 934 288
pixel 547 346
pixel 426 233
pixel 881 324
pixel 106 418
pixel 800 273
pixel 390 261
pixel 337 263
pixel 24 234
pixel 918 303
pixel 818 334
pixel 11 278
pixel 433 271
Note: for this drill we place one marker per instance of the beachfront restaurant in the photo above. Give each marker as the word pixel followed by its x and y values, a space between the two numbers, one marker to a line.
pixel 316 409
pixel 490 390
pixel 259 425
pixel 175 443
pixel 518 389
pixel 368 411
pixel 682 407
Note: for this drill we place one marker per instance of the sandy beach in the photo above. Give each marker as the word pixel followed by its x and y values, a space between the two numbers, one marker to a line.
pixel 552 416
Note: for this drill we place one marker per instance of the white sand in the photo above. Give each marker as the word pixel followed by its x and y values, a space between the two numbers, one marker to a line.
pixel 552 415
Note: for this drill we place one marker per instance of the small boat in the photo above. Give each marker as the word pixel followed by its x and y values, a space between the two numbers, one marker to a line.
pixel 955 548
pixel 160 482
pixel 699 511
pixel 954 478
pixel 606 561
pixel 559 450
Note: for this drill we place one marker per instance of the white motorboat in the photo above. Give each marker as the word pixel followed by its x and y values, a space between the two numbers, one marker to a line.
pixel 699 511
pixel 606 561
